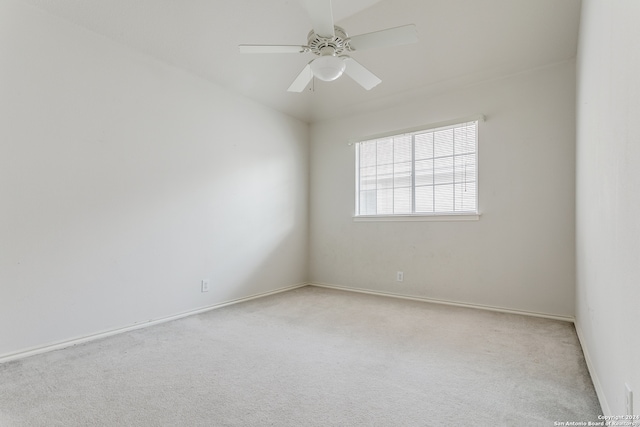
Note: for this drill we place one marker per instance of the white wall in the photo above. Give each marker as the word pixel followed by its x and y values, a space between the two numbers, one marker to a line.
pixel 608 198
pixel 520 255
pixel 124 182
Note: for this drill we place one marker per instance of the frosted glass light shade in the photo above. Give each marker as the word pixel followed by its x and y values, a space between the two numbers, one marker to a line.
pixel 328 68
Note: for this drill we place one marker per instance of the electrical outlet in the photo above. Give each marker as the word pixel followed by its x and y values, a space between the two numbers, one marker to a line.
pixel 204 286
pixel 399 276
pixel 628 399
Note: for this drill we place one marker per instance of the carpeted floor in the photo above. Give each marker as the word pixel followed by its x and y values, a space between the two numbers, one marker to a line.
pixel 312 357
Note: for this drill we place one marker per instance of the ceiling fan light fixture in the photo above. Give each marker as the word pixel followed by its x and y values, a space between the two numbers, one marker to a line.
pixel 328 68
pixel 332 45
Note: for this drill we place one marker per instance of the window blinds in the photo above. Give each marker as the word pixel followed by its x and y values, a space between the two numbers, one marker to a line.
pixel 431 172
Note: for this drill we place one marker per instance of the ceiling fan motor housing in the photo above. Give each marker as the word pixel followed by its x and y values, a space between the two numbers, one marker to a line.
pixel 335 45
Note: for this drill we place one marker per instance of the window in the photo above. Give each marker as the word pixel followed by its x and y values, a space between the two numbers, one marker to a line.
pixel 426 172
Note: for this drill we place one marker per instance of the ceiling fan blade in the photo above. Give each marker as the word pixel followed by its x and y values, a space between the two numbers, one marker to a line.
pixel 267 48
pixel 302 80
pixel 390 37
pixel 361 75
pixel 321 16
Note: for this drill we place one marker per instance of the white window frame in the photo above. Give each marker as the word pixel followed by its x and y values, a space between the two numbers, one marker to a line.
pixel 420 216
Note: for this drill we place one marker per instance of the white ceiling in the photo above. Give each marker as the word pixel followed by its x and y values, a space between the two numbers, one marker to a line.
pixel 461 42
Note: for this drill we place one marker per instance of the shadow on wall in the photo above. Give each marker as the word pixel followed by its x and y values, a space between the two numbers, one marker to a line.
pixel 92 264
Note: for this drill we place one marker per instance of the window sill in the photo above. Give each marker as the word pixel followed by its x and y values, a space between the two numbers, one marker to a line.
pixel 411 218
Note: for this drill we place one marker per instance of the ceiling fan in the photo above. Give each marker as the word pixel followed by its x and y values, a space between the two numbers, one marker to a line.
pixel 331 43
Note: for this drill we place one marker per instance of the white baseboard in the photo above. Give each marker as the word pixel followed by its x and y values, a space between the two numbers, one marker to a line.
pixel 445 302
pixel 592 371
pixel 75 341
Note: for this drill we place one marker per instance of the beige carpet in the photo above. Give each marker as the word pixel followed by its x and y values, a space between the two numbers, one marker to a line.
pixel 312 357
